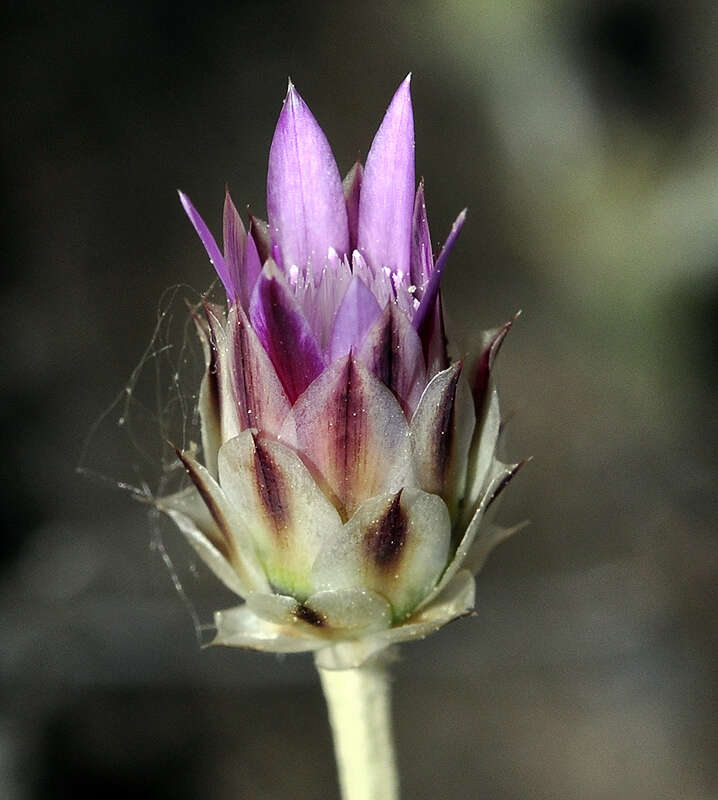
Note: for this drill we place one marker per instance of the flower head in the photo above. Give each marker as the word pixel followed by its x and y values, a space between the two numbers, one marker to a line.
pixel 347 464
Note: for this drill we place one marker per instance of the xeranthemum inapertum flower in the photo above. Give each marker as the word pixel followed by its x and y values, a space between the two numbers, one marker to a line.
pixel 348 465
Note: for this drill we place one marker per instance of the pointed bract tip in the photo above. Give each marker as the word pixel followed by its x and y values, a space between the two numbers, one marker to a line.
pixel 404 88
pixel 354 176
pixel 503 331
pixel 292 95
pixel 512 471
pixel 228 202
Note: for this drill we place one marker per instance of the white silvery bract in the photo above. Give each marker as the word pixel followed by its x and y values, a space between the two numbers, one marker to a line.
pixel 347 466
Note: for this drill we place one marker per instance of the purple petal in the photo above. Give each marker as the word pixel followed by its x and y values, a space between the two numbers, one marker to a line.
pixel 392 351
pixel 252 268
pixel 305 201
pixel 235 244
pixel 259 396
pixel 352 189
pixel 210 245
pixel 387 194
pixel 432 288
pixel 277 256
pixel 356 314
pixel 284 332
pixel 422 261
pixel 352 432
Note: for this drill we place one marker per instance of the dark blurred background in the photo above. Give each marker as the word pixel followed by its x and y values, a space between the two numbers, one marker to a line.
pixel 583 138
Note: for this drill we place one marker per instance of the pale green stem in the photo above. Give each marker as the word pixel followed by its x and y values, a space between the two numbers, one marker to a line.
pixel 359 703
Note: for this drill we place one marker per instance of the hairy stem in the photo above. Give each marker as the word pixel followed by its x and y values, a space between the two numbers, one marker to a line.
pixel 359 703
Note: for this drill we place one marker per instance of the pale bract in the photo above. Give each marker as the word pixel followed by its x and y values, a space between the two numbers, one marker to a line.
pixel 347 465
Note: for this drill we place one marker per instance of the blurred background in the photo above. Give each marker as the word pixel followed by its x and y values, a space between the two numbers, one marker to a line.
pixel 583 138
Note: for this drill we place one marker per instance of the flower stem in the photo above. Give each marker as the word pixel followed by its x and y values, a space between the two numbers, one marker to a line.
pixel 359 703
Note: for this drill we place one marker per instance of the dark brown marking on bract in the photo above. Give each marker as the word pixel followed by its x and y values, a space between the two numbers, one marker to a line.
pixel 346 430
pixel 444 426
pixel 486 364
pixel 384 540
pixel 386 350
pixel 224 542
pixel 242 372
pixel 386 367
pixel 504 482
pixel 270 486
pixel 384 355
pixel 378 346
pixel 305 614
pixel 433 339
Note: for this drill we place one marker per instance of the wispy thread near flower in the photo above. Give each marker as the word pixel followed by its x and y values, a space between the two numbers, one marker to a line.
pixel 348 465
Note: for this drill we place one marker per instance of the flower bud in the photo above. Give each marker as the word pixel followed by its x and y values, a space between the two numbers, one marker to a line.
pixel 347 464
